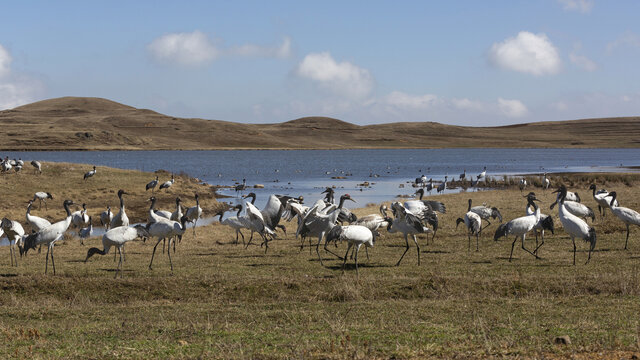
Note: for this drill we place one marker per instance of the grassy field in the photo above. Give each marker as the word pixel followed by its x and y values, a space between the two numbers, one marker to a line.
pixel 224 301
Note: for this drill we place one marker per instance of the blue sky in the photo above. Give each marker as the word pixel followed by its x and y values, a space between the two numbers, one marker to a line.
pixel 477 63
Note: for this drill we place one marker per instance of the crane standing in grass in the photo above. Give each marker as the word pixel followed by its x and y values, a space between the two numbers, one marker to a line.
pixel 90 173
pixel 355 235
pixel 118 237
pixel 628 216
pixel 574 226
pixel 519 227
pixel 49 236
pixel 15 233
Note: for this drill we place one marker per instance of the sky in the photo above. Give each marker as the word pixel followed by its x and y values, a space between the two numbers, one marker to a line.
pixel 476 63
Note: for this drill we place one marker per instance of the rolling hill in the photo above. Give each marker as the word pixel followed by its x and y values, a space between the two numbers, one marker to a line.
pixel 79 123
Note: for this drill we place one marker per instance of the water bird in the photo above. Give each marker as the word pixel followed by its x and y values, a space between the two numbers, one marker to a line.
pixel 152 184
pixel 519 227
pixel 628 216
pixel 601 198
pixel 36 223
pixel 49 236
pixel 90 173
pixel 408 224
pixel 86 232
pixel 574 226
pixel 42 196
pixel 118 237
pixel 37 166
pixel 15 233
pixel 121 218
pixel 355 235
pixel 167 184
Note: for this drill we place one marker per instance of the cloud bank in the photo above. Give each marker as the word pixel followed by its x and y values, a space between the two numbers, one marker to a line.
pixel 341 78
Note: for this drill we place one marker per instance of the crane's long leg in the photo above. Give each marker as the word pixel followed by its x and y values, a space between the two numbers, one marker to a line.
pixel 154 253
pixel 169 253
pixel 119 262
pixel 541 243
pixel 525 249
pixel 357 251
pixel 344 263
pixel 477 241
pixel 194 228
pixel 417 246
pixel 250 238
pixel 627 241
pixel 512 245
pixel 469 242
pixel 574 250
pixel 46 263
pixel 488 224
pixel 331 252
pixel 53 263
pixel 406 240
pixel 318 247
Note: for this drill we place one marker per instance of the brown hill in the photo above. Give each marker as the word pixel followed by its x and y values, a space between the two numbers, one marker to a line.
pixel 74 123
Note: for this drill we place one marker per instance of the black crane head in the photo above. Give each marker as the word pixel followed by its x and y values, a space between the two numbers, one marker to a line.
pixel 458 221
pixel 49 196
pixel 328 191
pixel 592 187
pixel 249 195
pixel 613 195
pixel 121 192
pixel 178 200
pixel 346 197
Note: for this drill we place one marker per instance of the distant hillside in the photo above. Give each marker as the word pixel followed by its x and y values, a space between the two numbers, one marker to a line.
pixel 75 123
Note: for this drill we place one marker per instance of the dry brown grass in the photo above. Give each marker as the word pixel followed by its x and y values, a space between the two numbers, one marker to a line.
pixel 73 123
pixel 227 302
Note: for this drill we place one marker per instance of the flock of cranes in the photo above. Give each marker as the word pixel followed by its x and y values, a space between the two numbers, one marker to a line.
pixel 327 221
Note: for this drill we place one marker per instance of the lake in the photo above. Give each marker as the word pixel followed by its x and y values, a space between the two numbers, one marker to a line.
pixel 308 172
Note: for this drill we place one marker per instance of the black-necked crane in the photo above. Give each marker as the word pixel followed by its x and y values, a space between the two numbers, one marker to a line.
pixel 426 210
pixel 545 223
pixel 193 214
pixel 407 224
pixel 375 221
pixel 519 227
pixel 580 210
pixel 121 218
pixel 545 182
pixel 234 222
pixel 271 213
pixel 315 223
pixel 473 223
pixel 49 236
pixel 15 233
pixel 355 235
pixel 17 168
pixel 157 215
pixel 256 222
pixel 37 223
pixel 574 226
pixel 86 232
pixel 628 216
pixel 485 212
pixel 90 173
pixel 152 184
pixel 118 237
pixel 421 181
pixel 167 184
pixel 345 214
pixel 240 187
pixel 80 218
pixel 5 165
pixel 443 185
pixel 42 196
pixel 522 184
pixel 37 167
pixel 463 176
pixel 166 230
pixel 483 173
pixel 601 198
pixel 106 217
pixel 177 214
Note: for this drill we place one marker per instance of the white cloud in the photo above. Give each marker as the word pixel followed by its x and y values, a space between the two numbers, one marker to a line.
pixel 282 51
pixel 466 104
pixel 193 48
pixel 342 78
pixel 527 53
pixel 583 62
pixel 583 6
pixel 628 39
pixel 5 61
pixel 15 89
pixel 512 108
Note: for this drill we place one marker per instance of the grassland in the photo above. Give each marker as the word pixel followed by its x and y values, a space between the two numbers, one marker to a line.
pixel 79 123
pixel 224 301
